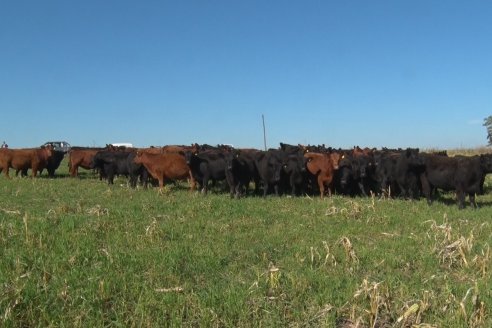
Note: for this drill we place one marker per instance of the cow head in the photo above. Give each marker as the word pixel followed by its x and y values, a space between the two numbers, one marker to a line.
pixel 486 162
pixel 138 157
pixel 335 158
pixel 413 157
pixel 231 159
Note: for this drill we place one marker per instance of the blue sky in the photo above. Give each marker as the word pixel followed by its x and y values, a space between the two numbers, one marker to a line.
pixel 343 73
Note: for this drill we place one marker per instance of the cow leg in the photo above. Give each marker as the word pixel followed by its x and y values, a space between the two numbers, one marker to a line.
pixel 161 183
pixel 460 194
pixel 321 186
pixel 74 170
pixel 426 188
pixel 473 203
pixel 362 188
pixel 265 189
pixel 231 183
pixel 205 184
pixel 6 172
pixel 275 188
pixel 192 182
pixel 238 190
pixel 34 171
pixel 293 192
pixel 257 186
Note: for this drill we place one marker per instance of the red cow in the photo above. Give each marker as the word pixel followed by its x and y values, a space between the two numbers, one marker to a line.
pixel 323 166
pixel 24 159
pixel 81 157
pixel 169 165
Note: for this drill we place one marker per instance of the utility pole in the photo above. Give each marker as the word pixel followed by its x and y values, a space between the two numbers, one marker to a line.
pixel 264 133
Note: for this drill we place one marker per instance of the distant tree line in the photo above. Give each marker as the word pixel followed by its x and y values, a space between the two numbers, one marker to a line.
pixel 488 124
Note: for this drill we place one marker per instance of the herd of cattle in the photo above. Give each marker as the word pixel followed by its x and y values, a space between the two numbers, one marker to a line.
pixel 292 169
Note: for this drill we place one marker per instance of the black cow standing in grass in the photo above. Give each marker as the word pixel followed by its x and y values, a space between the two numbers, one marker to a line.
pixel 296 172
pixel 111 163
pixel 270 169
pixel 385 162
pixel 206 165
pixel 409 167
pixel 54 162
pixel 465 175
pixel 356 175
pixel 136 171
pixel 398 172
pixel 240 171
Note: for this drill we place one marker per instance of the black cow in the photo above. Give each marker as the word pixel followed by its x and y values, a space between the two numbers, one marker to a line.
pixel 296 172
pixel 54 162
pixel 409 166
pixel 356 174
pixel 111 163
pixel 240 171
pixel 136 171
pixel 270 169
pixel 465 175
pixel 206 165
pixel 385 163
pixel 290 149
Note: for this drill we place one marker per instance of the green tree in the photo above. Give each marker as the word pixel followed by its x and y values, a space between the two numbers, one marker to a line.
pixel 488 124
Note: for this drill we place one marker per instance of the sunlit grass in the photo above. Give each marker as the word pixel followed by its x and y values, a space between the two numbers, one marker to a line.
pixel 76 252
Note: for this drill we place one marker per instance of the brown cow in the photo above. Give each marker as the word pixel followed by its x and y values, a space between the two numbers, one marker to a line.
pixel 81 157
pixel 323 166
pixel 163 166
pixel 24 159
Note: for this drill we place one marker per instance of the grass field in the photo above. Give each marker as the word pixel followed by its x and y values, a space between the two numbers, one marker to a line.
pixel 78 253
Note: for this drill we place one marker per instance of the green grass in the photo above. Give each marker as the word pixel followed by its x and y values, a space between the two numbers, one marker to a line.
pixel 76 252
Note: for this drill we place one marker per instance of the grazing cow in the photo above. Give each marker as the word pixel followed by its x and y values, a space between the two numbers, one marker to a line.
pixel 465 175
pixel 81 157
pixel 240 171
pixel 165 166
pixel 207 165
pixel 24 159
pixel 323 167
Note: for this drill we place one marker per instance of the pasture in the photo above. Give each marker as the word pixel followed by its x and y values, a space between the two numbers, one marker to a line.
pixel 79 253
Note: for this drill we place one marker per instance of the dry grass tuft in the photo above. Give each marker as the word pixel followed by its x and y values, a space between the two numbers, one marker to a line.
pixel 372 305
pixel 349 250
pixel 352 209
pixel 10 212
pixel 412 317
pixel 98 211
